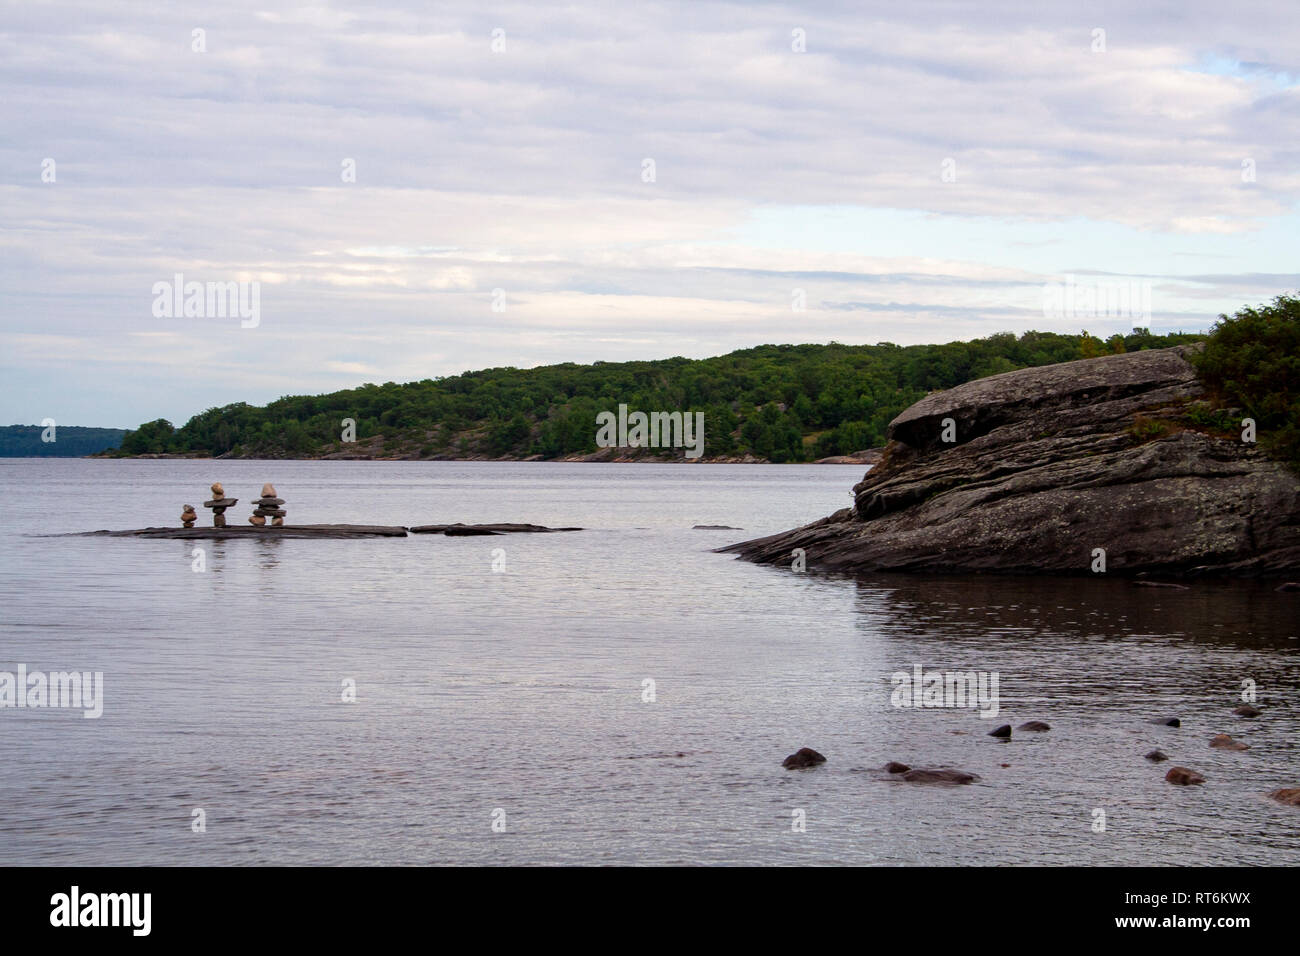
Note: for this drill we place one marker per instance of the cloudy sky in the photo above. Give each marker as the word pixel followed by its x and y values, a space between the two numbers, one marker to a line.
pixel 638 180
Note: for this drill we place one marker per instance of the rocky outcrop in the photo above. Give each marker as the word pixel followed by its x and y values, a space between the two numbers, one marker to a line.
pixel 1031 471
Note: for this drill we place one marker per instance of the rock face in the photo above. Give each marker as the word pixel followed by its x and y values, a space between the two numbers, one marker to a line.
pixel 1046 464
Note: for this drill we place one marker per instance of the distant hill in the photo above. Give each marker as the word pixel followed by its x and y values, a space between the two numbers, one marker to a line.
pixel 70 441
pixel 781 403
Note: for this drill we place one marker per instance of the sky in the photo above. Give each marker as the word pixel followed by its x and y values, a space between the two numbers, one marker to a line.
pixel 421 189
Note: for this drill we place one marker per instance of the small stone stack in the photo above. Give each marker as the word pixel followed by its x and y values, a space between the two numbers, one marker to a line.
pixel 268 506
pixel 188 516
pixel 219 504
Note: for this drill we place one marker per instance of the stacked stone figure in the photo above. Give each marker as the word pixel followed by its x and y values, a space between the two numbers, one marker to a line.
pixel 188 517
pixel 219 504
pixel 268 506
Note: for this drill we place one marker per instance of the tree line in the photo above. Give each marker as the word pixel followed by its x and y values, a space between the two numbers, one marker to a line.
pixel 781 403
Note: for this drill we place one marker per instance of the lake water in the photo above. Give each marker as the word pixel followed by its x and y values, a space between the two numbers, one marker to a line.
pixel 519 696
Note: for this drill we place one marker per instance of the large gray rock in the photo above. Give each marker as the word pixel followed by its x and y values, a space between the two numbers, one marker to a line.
pixel 1050 463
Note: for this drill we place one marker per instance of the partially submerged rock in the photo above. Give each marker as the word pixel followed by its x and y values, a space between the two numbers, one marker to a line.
pixel 292 531
pixel 1289 796
pixel 1156 756
pixel 465 530
pixel 940 775
pixel 1245 710
pixel 1031 471
pixel 1168 721
pixel 802 758
pixel 1004 731
pixel 1183 776
pixel 1036 726
pixel 1225 742
pixel 895 767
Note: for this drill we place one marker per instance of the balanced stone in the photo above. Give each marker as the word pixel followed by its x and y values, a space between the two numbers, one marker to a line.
pixel 188 516
pixel 268 506
pixel 256 520
pixel 219 503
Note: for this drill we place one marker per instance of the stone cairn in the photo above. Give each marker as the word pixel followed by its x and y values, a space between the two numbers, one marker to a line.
pixel 219 504
pixel 188 517
pixel 268 506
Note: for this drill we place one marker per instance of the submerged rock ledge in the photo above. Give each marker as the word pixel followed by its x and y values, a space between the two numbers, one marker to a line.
pixel 288 531
pixel 329 531
pixel 464 530
pixel 1050 463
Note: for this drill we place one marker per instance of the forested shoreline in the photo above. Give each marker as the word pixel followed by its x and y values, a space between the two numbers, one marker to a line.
pixel 779 403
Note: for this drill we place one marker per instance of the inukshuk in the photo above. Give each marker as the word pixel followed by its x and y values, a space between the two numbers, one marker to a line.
pixel 219 504
pixel 268 506
pixel 188 516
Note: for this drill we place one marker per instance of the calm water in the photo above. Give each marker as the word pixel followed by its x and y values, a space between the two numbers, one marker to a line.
pixel 522 691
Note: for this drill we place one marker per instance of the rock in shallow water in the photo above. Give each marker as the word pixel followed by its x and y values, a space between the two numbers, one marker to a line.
pixel 1042 454
pixel 1290 796
pixel 801 758
pixel 1224 742
pixel 1004 731
pixel 940 775
pixel 1183 777
pixel 895 767
pixel 1245 710
pixel 466 530
pixel 1035 725
pixel 1156 756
